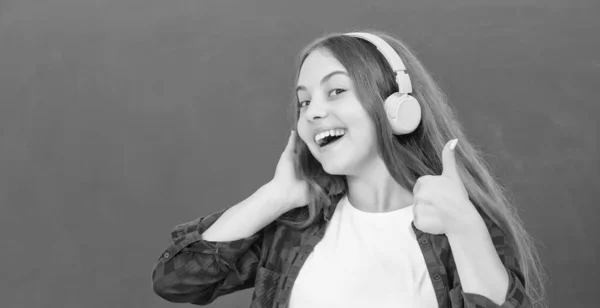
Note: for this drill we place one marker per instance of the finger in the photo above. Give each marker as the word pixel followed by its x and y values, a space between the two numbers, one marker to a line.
pixel 422 213
pixel 291 144
pixel 416 186
pixel 449 160
pixel 419 183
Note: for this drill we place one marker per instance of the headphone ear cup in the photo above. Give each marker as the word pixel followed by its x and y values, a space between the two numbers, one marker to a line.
pixel 403 112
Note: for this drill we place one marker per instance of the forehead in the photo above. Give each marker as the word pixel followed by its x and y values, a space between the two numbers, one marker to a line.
pixel 317 64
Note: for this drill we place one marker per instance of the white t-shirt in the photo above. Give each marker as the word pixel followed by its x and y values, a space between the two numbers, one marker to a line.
pixel 365 260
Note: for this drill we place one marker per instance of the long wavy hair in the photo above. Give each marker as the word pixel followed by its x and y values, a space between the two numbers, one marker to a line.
pixel 408 157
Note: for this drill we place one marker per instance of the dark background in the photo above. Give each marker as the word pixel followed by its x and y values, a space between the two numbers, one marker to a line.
pixel 121 119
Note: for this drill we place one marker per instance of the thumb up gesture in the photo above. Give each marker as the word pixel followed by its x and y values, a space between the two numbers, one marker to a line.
pixel 441 202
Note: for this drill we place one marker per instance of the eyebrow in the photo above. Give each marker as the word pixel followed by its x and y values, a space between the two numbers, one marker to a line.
pixel 327 77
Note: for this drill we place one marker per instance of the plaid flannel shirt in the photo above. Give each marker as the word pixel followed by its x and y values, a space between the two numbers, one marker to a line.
pixel 196 271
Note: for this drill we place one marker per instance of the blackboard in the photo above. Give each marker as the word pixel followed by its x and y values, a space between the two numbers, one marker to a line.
pixel 121 119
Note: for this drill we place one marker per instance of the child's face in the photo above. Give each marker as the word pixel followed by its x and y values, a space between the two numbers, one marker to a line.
pixel 327 100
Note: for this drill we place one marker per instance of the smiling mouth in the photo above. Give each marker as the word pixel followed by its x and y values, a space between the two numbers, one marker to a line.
pixel 329 140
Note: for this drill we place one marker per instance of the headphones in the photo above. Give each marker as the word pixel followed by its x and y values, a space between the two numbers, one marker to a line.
pixel 403 110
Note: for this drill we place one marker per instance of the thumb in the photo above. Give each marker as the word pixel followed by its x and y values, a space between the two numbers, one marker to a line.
pixel 449 160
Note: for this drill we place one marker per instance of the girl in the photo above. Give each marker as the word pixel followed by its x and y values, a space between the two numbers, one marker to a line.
pixel 378 200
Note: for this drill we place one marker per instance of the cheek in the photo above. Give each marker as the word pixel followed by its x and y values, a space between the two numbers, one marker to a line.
pixel 305 136
pixel 302 130
pixel 370 135
pixel 364 138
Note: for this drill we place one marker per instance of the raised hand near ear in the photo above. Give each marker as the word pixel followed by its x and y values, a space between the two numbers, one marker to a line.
pixel 442 204
pixel 285 182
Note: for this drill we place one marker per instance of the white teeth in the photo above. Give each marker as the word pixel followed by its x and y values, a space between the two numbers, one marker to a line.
pixel 332 132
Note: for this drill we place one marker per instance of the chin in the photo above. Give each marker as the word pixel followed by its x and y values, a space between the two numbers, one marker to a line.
pixel 335 168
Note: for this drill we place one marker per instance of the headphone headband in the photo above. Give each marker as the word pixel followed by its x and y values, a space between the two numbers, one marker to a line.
pixel 386 50
pixel 392 57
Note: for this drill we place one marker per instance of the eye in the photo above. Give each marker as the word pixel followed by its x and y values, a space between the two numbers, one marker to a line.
pixel 302 103
pixel 337 91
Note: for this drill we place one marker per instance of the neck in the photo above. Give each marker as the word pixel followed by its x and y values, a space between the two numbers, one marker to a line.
pixel 374 190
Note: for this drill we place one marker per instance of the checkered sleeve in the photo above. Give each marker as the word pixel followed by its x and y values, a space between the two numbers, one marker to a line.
pixel 193 270
pixel 516 296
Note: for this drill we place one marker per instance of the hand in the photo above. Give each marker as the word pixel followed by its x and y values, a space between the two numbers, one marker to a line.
pixel 293 191
pixel 442 203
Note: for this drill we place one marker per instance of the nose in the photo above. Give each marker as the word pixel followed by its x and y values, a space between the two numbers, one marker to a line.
pixel 316 110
